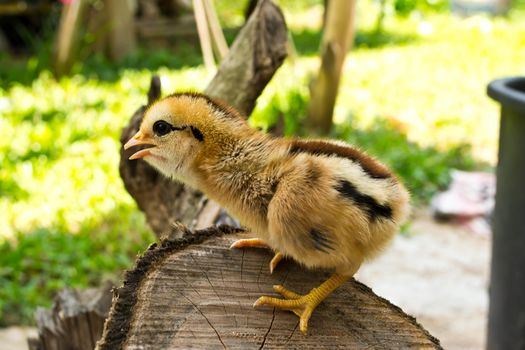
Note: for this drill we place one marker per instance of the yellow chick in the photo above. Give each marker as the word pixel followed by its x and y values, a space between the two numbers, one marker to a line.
pixel 323 203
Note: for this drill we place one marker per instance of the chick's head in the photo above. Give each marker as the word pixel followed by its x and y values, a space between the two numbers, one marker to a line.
pixel 173 131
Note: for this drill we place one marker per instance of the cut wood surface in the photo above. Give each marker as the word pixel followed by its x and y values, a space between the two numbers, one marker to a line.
pixel 195 292
pixel 254 57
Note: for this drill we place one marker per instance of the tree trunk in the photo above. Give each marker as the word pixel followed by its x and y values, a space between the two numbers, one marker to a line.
pixel 192 291
pixel 121 29
pixel 68 36
pixel 254 57
pixel 337 37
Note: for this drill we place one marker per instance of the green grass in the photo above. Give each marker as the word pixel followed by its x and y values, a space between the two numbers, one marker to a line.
pixel 35 264
pixel 413 95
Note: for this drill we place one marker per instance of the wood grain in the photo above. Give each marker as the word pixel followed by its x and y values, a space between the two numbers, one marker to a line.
pixel 195 292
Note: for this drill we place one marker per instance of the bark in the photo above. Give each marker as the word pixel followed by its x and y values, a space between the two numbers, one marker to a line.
pixel 254 57
pixel 76 320
pixel 192 291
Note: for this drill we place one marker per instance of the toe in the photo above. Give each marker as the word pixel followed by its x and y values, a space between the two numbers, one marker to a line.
pixel 278 303
pixel 288 294
pixel 264 300
pixel 249 243
pixel 304 318
pixel 275 261
pixel 294 302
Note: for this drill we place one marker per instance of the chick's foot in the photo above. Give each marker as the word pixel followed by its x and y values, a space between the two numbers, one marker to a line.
pixel 258 243
pixel 302 305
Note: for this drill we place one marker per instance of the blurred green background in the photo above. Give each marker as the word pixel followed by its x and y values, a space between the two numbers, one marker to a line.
pixel 413 94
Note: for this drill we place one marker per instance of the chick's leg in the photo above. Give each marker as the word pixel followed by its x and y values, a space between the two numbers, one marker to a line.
pixel 258 243
pixel 303 305
pixel 249 243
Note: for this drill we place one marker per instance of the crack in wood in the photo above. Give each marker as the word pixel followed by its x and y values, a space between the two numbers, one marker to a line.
pixel 242 283
pixel 224 287
pixel 268 331
pixel 206 318
pixel 242 265
pixel 285 278
pixel 259 276
pixel 190 285
pixel 211 284
pixel 293 332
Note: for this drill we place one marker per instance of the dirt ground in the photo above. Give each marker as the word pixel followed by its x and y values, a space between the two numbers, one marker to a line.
pixel 439 274
pixel 14 338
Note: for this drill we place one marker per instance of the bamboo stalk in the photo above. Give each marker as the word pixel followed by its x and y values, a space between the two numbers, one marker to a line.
pixel 68 33
pixel 204 34
pixel 216 31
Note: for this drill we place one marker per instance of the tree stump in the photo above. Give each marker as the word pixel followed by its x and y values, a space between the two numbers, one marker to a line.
pixel 75 322
pixel 195 292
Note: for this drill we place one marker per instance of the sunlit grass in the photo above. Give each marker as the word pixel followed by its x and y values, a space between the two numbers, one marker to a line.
pixel 59 147
pixel 435 88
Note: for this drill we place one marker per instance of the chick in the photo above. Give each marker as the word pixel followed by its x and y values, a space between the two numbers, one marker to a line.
pixel 322 203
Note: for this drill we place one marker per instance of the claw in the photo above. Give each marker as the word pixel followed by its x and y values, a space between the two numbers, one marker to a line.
pixel 275 261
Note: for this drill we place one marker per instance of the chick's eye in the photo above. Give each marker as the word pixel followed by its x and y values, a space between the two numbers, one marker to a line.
pixel 161 128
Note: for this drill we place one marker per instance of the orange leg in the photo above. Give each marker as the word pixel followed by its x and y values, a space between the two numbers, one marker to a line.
pixel 249 243
pixel 258 243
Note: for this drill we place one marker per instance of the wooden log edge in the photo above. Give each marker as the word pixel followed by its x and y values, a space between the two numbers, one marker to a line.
pixel 124 298
pixel 117 326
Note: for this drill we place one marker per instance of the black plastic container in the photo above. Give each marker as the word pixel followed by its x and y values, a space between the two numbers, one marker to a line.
pixel 507 284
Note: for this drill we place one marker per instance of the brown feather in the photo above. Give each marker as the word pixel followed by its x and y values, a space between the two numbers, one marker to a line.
pixel 318 147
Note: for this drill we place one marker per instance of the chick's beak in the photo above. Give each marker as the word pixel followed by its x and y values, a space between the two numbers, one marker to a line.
pixel 139 139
